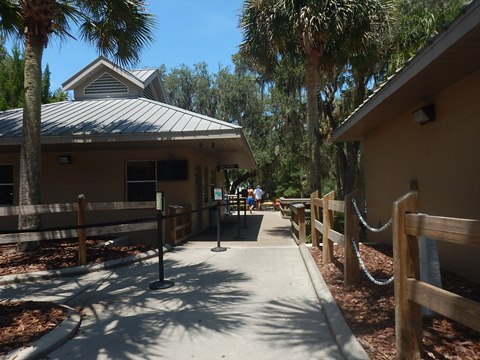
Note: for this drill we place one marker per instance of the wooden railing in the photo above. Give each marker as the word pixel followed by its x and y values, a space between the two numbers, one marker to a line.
pixel 180 224
pixel 324 209
pixel 298 223
pixel 285 205
pixel 81 208
pixel 410 292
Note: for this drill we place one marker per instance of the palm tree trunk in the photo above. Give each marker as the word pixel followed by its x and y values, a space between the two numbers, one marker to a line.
pixel 30 151
pixel 313 120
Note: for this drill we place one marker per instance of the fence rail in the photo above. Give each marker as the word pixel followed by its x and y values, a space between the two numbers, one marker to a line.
pixel 286 202
pixel 410 292
pixel 298 223
pixel 322 219
pixel 181 224
pixel 81 208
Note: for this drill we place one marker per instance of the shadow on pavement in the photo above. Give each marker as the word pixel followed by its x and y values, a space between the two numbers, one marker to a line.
pixel 233 229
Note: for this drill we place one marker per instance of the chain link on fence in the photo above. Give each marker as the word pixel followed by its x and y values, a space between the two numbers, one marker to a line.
pixel 365 270
pixel 357 252
pixel 372 229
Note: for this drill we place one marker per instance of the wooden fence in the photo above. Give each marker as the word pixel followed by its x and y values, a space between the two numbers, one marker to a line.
pixel 324 209
pixel 298 223
pixel 410 292
pixel 180 224
pixel 285 203
pixel 81 208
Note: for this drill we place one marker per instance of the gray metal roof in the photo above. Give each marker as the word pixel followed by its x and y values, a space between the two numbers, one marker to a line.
pixel 131 123
pixel 114 117
pixel 143 74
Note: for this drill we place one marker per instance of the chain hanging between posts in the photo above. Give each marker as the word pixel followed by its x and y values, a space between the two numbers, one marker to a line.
pixel 372 229
pixel 365 270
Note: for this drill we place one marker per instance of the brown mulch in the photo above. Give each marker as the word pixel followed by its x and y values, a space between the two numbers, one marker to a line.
pixel 369 308
pixel 23 322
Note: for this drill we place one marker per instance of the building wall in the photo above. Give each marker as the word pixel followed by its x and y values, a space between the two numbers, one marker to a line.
pixel 101 177
pixel 442 156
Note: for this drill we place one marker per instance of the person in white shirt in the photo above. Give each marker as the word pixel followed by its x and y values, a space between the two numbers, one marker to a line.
pixel 258 193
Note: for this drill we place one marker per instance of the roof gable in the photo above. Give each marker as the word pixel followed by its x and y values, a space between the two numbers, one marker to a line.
pixel 106 83
pixel 102 79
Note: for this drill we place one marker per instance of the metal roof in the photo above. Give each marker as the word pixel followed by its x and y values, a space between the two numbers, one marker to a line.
pixel 125 120
pixel 451 55
pixel 143 74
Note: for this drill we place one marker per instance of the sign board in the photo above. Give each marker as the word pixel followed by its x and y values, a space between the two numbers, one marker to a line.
pixel 227 166
pixel 159 201
pixel 218 194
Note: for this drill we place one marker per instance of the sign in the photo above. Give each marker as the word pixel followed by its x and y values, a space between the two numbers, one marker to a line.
pixel 159 201
pixel 227 166
pixel 218 194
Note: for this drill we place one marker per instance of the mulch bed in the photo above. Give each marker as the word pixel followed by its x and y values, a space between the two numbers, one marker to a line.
pixel 61 254
pixel 369 309
pixel 23 322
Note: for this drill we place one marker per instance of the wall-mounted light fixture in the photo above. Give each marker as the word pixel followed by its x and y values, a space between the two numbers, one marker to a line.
pixel 425 114
pixel 64 160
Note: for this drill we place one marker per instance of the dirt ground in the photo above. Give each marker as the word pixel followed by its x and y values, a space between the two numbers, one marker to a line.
pixel 368 308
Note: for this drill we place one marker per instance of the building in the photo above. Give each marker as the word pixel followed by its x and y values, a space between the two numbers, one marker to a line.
pixel 421 128
pixel 120 141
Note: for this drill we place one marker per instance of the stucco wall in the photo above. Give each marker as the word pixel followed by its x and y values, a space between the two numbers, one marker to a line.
pixel 100 176
pixel 442 156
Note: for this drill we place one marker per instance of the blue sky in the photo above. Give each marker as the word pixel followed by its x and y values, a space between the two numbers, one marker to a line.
pixel 187 32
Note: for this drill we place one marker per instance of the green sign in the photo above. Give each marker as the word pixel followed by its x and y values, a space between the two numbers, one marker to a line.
pixel 218 194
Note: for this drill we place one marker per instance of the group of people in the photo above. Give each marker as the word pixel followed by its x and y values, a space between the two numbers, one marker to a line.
pixel 254 198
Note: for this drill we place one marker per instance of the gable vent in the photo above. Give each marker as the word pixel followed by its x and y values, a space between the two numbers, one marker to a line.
pixel 106 84
pixel 149 93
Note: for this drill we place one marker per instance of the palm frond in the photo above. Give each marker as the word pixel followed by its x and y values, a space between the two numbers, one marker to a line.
pixel 119 29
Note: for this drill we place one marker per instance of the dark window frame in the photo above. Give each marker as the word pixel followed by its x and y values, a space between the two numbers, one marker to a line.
pixel 7 185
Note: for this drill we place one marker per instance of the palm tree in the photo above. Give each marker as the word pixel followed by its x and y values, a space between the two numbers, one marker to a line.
pixel 313 30
pixel 117 28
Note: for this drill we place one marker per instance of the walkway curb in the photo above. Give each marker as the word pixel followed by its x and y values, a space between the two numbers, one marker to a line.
pixel 51 340
pixel 76 270
pixel 346 341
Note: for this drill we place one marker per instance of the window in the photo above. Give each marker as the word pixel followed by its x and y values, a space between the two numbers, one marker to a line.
pixel 141 180
pixel 142 176
pixel 6 184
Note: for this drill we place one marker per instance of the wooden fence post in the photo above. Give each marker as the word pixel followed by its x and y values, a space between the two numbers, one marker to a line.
pixel 302 230
pixel 314 215
pixel 408 316
pixel 82 233
pixel 351 232
pixel 327 251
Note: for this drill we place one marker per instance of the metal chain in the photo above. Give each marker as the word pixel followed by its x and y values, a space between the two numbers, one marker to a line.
pixel 372 229
pixel 365 270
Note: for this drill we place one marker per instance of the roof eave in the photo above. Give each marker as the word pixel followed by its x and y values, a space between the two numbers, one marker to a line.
pixel 409 82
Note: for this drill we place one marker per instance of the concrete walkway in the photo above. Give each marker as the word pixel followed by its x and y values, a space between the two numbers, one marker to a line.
pixel 254 301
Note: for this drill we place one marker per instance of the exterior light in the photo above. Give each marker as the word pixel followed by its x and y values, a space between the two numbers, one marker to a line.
pixel 424 115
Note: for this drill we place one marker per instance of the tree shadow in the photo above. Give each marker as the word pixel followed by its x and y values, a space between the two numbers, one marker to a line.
pixel 125 311
pixel 298 324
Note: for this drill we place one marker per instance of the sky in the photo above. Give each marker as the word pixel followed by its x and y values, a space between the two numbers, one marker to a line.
pixel 187 32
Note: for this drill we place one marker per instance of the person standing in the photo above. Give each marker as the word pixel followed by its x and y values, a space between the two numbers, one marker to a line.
pixel 258 193
pixel 250 199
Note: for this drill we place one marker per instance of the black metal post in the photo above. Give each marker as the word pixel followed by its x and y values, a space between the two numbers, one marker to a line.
pixel 218 248
pixel 238 215
pixel 245 213
pixel 161 283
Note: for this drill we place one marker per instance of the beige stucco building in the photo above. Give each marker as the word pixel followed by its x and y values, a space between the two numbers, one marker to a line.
pixel 120 141
pixel 437 150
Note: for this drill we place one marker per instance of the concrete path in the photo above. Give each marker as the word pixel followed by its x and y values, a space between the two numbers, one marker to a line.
pixel 254 301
